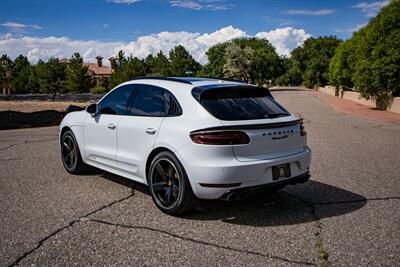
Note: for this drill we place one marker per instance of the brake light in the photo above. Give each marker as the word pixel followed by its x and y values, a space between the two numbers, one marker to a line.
pixel 302 130
pixel 220 138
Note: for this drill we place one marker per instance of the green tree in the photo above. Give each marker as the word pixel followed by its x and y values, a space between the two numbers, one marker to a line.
pixel 51 76
pixel 292 73
pixel 77 77
pixel 370 60
pixel 377 69
pixel 117 64
pixel 182 61
pixel 6 67
pixel 158 65
pixel 313 58
pixel 134 67
pixel 266 64
pixel 34 84
pixel 126 68
pixel 341 66
pixel 216 61
pixel 23 80
pixel 238 62
pixel 250 59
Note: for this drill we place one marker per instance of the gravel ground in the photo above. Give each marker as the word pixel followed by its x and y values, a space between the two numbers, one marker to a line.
pixel 346 215
pixel 32 106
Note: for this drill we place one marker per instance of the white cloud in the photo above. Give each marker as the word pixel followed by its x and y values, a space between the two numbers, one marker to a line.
pixel 197 44
pixel 35 48
pixel 285 39
pixel 371 9
pixel 11 24
pixel 19 27
pixel 319 12
pixel 36 27
pixel 126 2
pixel 5 36
pixel 216 5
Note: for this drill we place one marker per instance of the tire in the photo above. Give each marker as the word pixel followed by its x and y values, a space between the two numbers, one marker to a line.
pixel 71 155
pixel 169 185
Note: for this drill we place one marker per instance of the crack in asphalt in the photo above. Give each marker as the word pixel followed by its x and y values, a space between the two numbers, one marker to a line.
pixel 7 147
pixel 84 217
pixel 70 224
pixel 197 241
pixel 40 243
pixel 10 159
pixel 323 255
pixel 323 259
pixel 27 142
pixel 355 201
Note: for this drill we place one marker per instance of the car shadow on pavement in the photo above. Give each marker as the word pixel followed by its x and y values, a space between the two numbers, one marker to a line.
pixel 293 205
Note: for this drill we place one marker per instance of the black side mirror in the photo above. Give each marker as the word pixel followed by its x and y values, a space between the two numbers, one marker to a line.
pixel 92 109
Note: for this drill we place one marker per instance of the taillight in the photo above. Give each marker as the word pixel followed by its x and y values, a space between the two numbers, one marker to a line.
pixel 302 130
pixel 220 138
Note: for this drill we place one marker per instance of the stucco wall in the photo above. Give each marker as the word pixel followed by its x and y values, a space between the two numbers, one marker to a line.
pixel 395 106
pixel 355 97
pixel 327 89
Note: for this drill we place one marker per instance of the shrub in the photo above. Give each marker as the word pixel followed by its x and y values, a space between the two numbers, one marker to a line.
pixel 308 84
pixel 98 90
pixel 371 58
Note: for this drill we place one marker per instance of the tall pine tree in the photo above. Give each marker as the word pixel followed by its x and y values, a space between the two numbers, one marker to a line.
pixel 77 77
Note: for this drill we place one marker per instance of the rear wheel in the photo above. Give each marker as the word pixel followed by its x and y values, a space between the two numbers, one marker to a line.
pixel 70 154
pixel 169 185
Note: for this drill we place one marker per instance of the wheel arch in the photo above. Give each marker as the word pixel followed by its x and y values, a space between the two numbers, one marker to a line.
pixel 64 129
pixel 151 156
pixel 155 152
pixel 77 131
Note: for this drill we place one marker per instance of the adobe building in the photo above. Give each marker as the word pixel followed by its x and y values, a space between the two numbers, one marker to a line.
pixel 98 71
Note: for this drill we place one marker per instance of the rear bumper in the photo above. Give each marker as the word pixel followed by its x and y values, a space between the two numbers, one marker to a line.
pixel 212 177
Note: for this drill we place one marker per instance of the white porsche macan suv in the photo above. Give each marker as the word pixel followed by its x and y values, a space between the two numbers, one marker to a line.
pixel 189 139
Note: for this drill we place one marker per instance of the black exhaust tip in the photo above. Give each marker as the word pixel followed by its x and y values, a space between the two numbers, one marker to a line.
pixel 235 196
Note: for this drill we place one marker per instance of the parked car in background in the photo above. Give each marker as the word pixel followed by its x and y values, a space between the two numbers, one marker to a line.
pixel 189 139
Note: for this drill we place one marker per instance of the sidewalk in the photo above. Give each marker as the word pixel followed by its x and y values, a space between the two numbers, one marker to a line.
pixel 356 109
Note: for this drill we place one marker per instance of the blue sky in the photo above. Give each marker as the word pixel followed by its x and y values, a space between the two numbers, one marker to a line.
pixel 118 23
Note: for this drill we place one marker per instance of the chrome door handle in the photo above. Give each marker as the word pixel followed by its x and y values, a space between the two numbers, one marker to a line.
pixel 150 131
pixel 111 126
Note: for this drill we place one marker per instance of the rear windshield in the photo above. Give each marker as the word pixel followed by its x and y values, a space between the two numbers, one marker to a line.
pixel 244 103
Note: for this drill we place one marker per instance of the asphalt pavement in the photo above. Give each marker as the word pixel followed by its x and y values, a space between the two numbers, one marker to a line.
pixel 346 215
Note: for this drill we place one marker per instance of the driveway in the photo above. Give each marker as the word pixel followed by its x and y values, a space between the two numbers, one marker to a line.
pixel 348 214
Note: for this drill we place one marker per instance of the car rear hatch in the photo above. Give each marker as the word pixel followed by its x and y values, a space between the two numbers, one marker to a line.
pixel 271 140
pixel 273 132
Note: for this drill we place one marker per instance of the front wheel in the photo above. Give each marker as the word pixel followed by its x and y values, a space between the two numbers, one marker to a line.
pixel 169 185
pixel 70 154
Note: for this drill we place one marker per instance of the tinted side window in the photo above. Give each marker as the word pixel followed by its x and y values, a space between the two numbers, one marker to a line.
pixel 149 101
pixel 117 102
pixel 173 108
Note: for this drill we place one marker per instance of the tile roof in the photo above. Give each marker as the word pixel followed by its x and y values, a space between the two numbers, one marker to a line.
pixel 103 70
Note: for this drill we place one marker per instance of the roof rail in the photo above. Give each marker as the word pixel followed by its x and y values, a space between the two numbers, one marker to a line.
pixel 186 80
pixel 161 78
